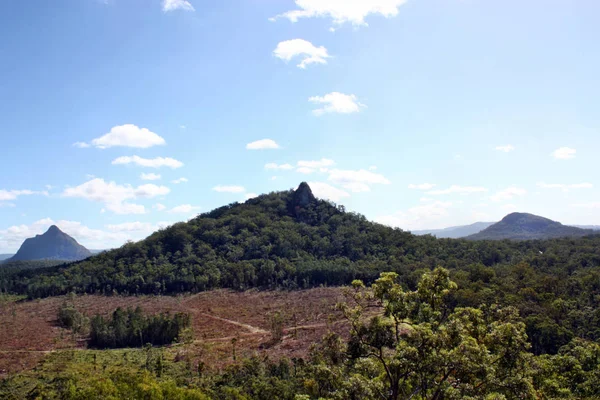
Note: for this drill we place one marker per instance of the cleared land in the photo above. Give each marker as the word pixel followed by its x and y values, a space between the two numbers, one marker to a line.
pixel 222 320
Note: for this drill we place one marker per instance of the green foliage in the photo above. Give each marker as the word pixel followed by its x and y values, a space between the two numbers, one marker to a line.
pixel 69 317
pixel 427 349
pixel 131 328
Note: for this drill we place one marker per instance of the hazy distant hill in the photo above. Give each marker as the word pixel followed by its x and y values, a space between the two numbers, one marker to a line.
pixel 5 256
pixel 52 245
pixel 523 226
pixel 456 232
pixel 593 227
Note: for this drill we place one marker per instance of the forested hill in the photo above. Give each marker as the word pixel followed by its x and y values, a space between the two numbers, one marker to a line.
pixel 285 239
pixel 523 226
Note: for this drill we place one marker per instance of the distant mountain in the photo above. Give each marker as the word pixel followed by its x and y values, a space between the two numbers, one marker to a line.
pixel 52 245
pixel 456 232
pixel 5 256
pixel 592 227
pixel 522 226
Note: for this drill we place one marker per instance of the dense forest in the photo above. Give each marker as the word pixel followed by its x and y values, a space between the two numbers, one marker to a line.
pixel 291 240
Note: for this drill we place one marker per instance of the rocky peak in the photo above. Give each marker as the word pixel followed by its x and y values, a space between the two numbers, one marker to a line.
pixel 303 196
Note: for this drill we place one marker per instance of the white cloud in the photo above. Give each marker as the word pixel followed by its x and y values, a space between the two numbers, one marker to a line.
pixel 322 163
pixel 115 196
pixel 336 102
pixel 276 167
pixel 81 145
pixel 157 162
pixel 425 199
pixel 150 177
pixel 508 194
pixel 305 170
pixel 273 178
pixel 456 189
pixel 326 191
pixel 180 180
pixel 564 153
pixel 6 195
pixel 422 186
pixel 342 11
pixel 356 181
pixel 137 226
pixel 263 144
pixel 172 5
pixel 184 209
pixel 229 189
pixel 565 187
pixel 249 196
pixel 418 217
pixel 306 50
pixel 128 135
pixel 507 148
pixel 159 207
pixel 373 168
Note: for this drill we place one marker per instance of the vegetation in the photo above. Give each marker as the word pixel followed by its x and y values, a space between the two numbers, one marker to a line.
pixel 290 240
pixel 131 328
pixel 419 345
pixel 69 317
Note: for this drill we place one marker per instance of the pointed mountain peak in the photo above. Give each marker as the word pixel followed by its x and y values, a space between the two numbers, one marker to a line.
pixel 52 245
pixel 54 229
pixel 303 196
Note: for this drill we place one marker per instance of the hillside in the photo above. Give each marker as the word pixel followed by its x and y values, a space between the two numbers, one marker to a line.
pixel 523 226
pixel 455 232
pixel 284 239
pixel 5 256
pixel 52 245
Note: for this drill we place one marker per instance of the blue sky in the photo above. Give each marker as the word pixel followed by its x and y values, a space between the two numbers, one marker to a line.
pixel 419 114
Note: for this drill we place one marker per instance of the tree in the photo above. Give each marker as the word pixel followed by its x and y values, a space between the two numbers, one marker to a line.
pixel 426 349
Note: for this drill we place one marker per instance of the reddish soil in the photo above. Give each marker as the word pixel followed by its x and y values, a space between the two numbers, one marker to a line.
pixel 29 330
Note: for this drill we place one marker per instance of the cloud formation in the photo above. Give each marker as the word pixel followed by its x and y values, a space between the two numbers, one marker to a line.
pixel 157 162
pixel 343 11
pixel 263 144
pixel 115 196
pixel 357 181
pixel 304 49
pixel 7 195
pixel 326 191
pixel 127 135
pixel 150 177
pixel 564 153
pixel 172 5
pixel 180 180
pixel 336 102
pixel 508 194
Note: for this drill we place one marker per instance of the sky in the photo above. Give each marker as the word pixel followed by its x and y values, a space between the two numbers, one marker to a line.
pixel 119 117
